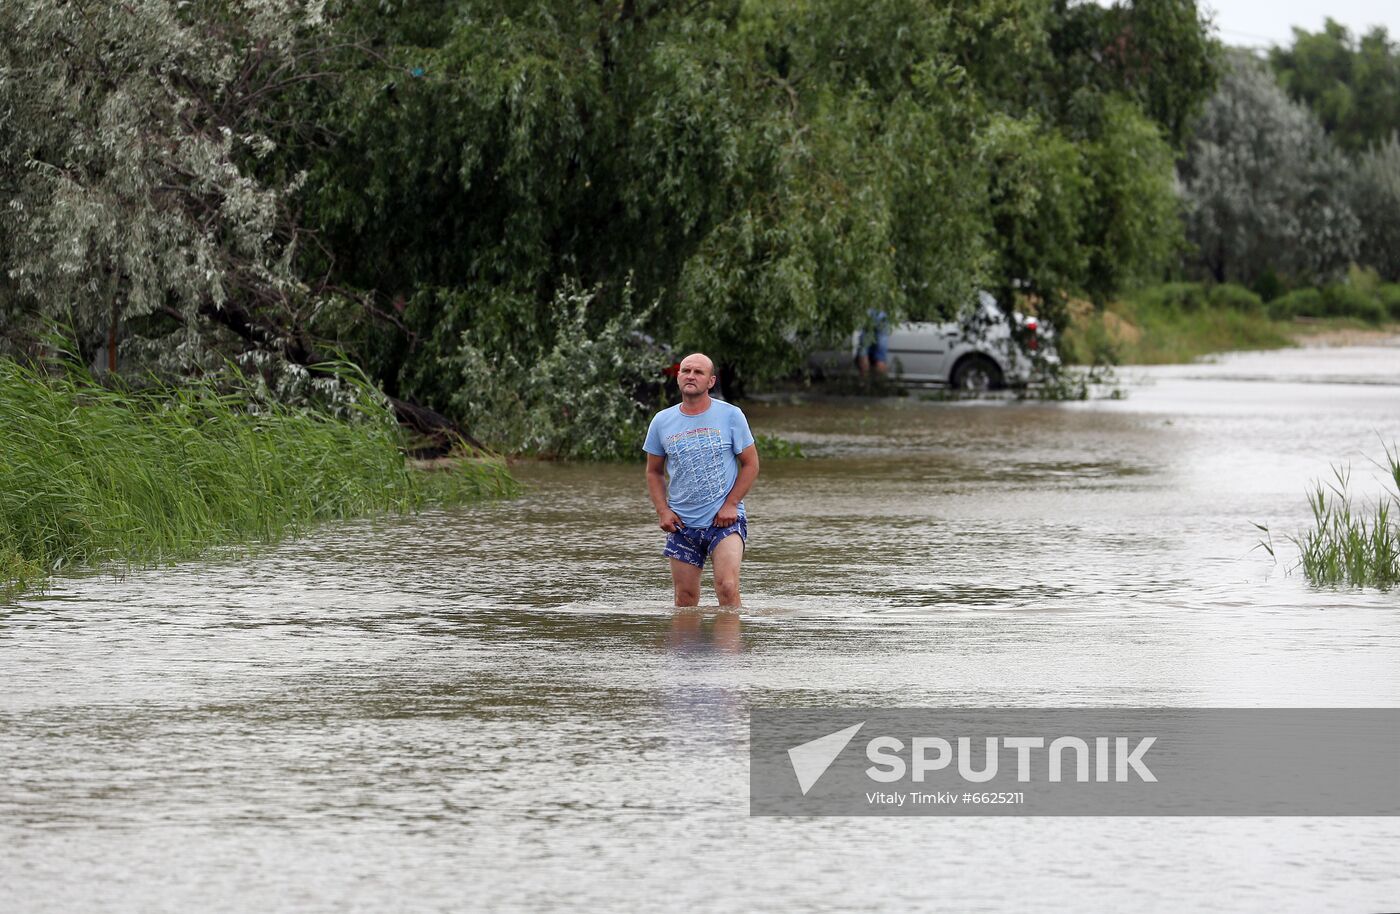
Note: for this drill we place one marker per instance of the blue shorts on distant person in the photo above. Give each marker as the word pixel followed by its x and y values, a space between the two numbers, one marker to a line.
pixel 693 545
pixel 875 345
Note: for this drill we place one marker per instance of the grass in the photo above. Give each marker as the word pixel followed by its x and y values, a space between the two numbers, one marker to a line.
pixel 96 477
pixel 1131 332
pixel 773 447
pixel 1349 545
pixel 1178 322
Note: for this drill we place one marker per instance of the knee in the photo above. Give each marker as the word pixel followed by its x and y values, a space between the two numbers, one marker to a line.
pixel 727 590
pixel 687 596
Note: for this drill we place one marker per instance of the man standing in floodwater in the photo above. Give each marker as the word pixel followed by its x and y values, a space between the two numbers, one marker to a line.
pixel 706 448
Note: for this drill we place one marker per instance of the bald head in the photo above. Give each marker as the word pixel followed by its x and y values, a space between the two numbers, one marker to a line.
pixel 699 360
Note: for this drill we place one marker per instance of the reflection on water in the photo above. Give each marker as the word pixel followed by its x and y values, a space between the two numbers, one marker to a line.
pixel 692 633
pixel 498 708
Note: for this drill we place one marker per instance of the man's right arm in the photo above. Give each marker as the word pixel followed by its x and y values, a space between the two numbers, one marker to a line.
pixel 656 488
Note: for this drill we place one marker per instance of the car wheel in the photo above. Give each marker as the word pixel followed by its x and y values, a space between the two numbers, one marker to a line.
pixel 977 372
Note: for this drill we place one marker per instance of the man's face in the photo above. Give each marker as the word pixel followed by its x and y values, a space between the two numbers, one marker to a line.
pixel 696 375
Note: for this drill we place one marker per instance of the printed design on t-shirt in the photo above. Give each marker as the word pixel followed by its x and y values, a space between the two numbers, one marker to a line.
pixel 695 460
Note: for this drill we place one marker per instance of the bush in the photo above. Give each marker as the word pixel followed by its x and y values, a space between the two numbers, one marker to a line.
pixel 1185 296
pixel 1235 297
pixel 1305 302
pixel 1269 286
pixel 1195 296
pixel 587 394
pixel 1376 199
pixel 1263 187
pixel 1344 300
pixel 1389 296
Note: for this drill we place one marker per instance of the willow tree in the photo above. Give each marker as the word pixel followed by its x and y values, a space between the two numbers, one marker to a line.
pixel 1375 196
pixel 129 138
pixel 767 171
pixel 1264 189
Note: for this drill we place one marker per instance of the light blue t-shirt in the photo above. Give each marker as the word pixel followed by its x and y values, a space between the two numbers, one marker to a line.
pixel 701 458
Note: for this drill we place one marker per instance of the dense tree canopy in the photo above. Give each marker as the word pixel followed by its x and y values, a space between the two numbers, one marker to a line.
pixel 1265 190
pixel 768 171
pixel 1352 84
pixel 132 221
pixel 1375 197
pixel 421 185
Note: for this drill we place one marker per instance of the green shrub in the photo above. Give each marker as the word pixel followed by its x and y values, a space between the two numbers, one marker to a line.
pixel 586 393
pixel 1185 296
pixel 1306 302
pixel 1346 300
pixel 777 448
pixel 1235 297
pixel 1389 296
pixel 1268 286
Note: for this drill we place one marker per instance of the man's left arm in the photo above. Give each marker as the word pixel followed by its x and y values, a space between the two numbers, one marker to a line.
pixel 748 472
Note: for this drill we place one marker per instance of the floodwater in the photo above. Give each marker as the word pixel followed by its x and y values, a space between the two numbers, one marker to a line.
pixel 494 708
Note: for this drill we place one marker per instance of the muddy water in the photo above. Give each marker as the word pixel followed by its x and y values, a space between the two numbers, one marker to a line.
pixel 494 708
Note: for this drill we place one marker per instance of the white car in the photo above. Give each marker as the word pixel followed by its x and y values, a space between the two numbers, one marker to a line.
pixel 976 352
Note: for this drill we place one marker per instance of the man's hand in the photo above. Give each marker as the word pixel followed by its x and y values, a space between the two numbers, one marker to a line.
pixel 728 515
pixel 669 521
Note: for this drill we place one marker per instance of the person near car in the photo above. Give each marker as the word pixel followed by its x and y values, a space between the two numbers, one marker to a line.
pixel 701 462
pixel 873 350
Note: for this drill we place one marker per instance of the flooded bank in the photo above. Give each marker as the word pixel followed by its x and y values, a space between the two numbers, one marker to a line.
pixel 496 707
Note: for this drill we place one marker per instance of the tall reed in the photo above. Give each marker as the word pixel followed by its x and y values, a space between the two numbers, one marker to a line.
pixel 1345 545
pixel 92 476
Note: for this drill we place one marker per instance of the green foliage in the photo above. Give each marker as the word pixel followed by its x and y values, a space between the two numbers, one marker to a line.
pixel 1172 323
pixel 128 132
pixel 1352 84
pixel 1375 197
pixel 1040 190
pixel 418 184
pixel 588 392
pixel 1235 297
pixel 95 476
pixel 468 479
pixel 1346 300
pixel 766 171
pixel 1185 296
pixel 1389 297
pixel 1356 298
pixel 1348 545
pixel 1268 286
pixel 1133 227
pixel 1159 54
pixel 1264 190
pixel 1193 296
pixel 773 447
pixel 1305 302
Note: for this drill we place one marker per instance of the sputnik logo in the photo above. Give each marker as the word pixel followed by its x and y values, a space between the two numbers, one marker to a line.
pixel 810 760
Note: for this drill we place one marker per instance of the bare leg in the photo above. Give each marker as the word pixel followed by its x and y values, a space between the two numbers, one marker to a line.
pixel 686 578
pixel 863 364
pixel 725 561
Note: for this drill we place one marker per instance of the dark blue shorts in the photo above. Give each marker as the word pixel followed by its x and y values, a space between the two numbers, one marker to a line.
pixel 875 346
pixel 693 544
